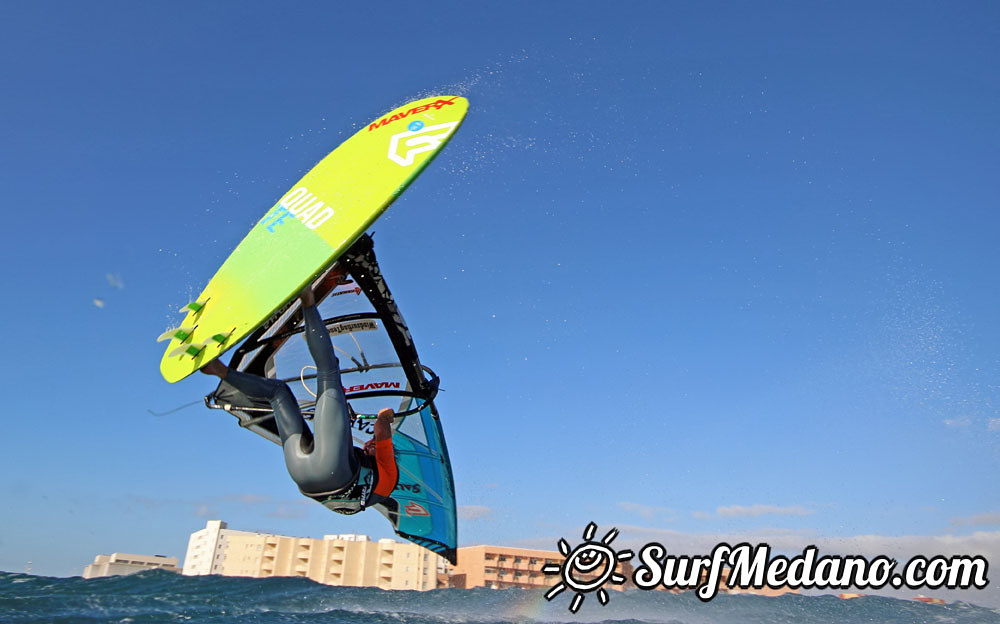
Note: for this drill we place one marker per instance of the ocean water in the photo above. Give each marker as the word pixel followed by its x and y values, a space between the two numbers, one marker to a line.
pixel 158 596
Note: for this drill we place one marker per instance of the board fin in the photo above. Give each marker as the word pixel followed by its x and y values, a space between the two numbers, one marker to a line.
pixel 221 339
pixel 195 349
pixel 195 307
pixel 188 349
pixel 180 333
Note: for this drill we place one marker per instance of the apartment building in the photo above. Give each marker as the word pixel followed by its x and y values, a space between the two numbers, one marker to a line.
pixel 117 564
pixel 501 567
pixel 357 561
pixel 207 548
pixel 348 560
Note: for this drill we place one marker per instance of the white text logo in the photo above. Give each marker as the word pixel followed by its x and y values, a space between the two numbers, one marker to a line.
pixel 304 206
pixel 404 147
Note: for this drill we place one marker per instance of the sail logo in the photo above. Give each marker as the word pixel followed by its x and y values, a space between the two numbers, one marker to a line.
pixel 356 290
pixel 417 139
pixel 378 385
pixel 301 204
pixel 416 110
pixel 414 509
pixel 352 326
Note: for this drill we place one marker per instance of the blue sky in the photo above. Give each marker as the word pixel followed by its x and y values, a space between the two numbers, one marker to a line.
pixel 697 270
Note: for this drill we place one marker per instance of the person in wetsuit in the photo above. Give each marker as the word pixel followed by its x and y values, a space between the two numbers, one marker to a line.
pixel 324 463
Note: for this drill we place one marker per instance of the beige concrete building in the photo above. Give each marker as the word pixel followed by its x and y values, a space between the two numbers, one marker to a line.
pixel 350 560
pixel 502 567
pixel 357 561
pixel 207 547
pixel 117 564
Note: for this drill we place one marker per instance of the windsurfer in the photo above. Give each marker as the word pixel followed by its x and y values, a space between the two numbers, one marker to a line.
pixel 324 464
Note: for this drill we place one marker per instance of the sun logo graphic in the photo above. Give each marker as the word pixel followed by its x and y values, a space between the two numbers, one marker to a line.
pixel 417 139
pixel 587 567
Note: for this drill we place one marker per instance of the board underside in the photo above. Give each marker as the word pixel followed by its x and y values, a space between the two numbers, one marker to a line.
pixel 311 226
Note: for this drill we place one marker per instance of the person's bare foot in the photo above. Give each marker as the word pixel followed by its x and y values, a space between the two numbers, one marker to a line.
pixel 307 297
pixel 217 368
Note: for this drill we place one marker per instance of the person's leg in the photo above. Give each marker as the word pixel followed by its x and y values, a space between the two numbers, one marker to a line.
pixel 333 446
pixel 287 414
pixel 296 439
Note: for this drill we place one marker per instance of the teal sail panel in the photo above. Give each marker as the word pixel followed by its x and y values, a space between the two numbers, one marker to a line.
pixel 422 507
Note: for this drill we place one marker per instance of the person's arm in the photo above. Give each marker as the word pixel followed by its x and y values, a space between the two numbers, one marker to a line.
pixel 385 457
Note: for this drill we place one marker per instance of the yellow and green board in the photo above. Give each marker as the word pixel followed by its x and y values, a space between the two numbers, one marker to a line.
pixel 309 228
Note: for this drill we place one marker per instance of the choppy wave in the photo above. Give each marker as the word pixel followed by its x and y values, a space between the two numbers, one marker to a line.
pixel 157 596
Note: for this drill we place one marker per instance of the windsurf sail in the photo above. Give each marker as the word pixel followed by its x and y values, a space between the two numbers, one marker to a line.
pixel 379 368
